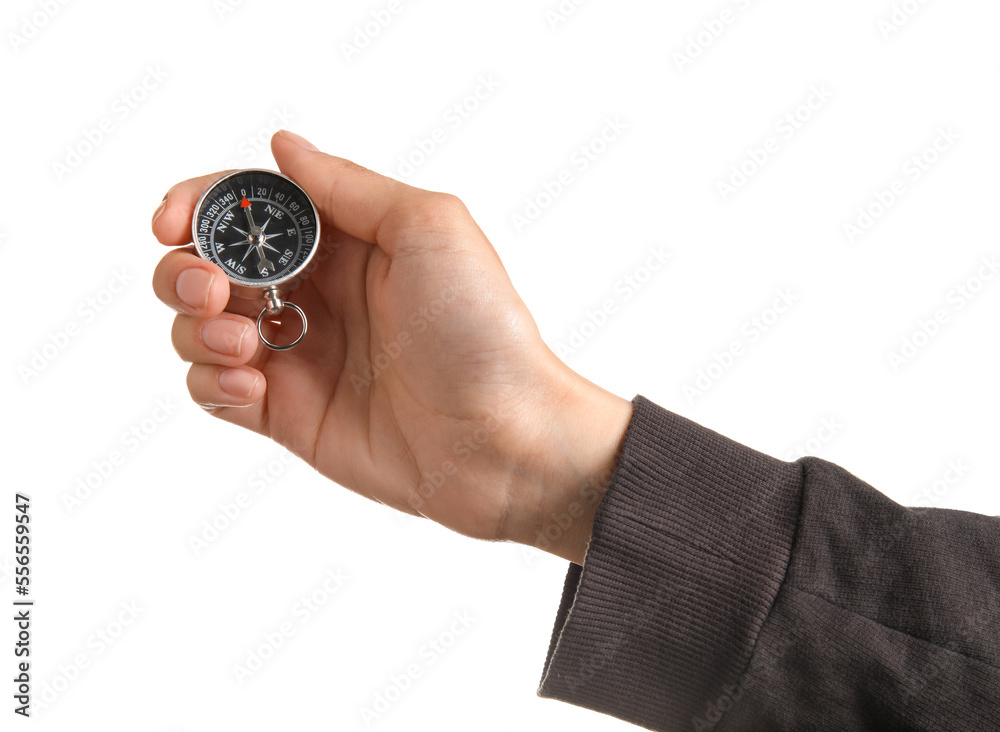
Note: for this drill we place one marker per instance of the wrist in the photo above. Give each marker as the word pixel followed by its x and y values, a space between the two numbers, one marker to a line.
pixel 577 433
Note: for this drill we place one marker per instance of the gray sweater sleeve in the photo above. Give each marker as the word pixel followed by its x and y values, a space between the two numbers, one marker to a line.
pixel 727 590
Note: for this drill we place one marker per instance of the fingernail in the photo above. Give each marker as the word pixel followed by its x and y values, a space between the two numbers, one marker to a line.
pixel 237 382
pixel 159 210
pixel 224 336
pixel 193 286
pixel 298 140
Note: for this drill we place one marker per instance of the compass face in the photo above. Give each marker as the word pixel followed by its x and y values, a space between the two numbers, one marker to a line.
pixel 258 225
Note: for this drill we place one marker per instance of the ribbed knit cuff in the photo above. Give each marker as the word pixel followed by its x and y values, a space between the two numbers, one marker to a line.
pixel 689 548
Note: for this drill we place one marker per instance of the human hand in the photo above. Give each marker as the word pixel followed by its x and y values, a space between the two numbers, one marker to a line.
pixel 423 382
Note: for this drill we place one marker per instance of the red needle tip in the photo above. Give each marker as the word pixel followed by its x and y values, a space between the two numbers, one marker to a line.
pixel 244 203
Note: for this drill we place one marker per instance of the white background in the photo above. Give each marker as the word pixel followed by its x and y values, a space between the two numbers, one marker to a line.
pixel 224 81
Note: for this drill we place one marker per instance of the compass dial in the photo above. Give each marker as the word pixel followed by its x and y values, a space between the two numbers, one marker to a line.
pixel 258 225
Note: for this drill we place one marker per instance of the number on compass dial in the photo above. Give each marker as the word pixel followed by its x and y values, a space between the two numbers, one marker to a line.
pixel 258 225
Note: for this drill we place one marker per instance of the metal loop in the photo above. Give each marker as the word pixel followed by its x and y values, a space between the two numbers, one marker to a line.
pixel 275 346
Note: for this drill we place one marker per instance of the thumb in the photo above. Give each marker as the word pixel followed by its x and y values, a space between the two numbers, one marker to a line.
pixel 358 201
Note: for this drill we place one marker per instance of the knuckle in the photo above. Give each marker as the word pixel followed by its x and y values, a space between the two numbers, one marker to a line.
pixel 349 166
pixel 195 389
pixel 179 337
pixel 448 205
pixel 435 212
pixel 331 197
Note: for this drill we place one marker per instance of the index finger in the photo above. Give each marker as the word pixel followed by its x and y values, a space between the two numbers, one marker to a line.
pixel 172 220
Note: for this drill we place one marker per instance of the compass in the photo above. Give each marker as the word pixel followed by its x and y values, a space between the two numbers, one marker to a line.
pixel 261 228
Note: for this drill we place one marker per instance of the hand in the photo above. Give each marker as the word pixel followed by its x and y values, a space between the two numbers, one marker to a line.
pixel 423 382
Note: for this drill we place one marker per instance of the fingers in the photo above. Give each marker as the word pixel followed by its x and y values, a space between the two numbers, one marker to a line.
pixel 228 340
pixel 188 284
pixel 358 201
pixel 218 342
pixel 172 219
pixel 213 386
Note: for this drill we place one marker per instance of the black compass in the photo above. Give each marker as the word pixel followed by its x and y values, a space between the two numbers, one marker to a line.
pixel 261 228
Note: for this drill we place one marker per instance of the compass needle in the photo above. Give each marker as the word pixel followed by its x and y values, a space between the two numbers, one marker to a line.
pixel 246 206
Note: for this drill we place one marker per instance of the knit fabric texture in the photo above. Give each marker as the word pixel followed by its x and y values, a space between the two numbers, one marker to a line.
pixel 726 590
